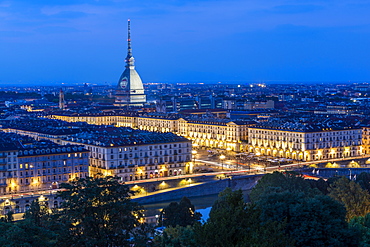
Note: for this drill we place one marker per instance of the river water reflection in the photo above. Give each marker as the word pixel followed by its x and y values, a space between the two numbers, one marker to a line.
pixel 152 210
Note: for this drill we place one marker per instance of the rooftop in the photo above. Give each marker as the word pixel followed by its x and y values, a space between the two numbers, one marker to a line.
pixel 112 136
pixel 29 146
pixel 306 125
pixel 45 126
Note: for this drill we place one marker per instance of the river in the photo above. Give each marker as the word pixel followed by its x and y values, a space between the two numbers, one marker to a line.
pixel 202 204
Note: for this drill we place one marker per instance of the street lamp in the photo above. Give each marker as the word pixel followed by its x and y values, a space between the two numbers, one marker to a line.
pixel 189 181
pixel 258 160
pixel 160 217
pixel 222 157
pixel 194 153
pixel 228 151
pixel 249 163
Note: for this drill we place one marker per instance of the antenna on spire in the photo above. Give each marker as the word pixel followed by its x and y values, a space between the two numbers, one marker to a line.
pixel 129 58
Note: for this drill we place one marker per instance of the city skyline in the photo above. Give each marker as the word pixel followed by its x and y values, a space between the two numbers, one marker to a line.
pixel 184 41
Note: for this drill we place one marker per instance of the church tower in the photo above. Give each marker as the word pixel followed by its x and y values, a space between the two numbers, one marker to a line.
pixel 130 89
pixel 61 100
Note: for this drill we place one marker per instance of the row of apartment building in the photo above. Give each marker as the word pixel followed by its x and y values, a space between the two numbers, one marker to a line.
pixel 214 133
pixel 123 152
pixel 134 154
pixel 307 141
pixel 40 166
pixel 306 145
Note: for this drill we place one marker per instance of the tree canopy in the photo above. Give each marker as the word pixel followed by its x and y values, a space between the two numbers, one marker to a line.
pixel 95 212
pixel 286 210
pixel 181 214
pixel 99 211
pixel 234 223
pixel 354 198
pixel 312 218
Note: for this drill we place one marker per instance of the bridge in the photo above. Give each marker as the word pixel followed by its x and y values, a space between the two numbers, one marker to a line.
pixel 198 188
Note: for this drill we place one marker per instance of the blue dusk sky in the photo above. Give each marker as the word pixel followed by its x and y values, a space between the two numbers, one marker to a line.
pixel 78 41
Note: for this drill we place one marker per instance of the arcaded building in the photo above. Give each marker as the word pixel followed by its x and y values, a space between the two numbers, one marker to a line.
pixel 305 141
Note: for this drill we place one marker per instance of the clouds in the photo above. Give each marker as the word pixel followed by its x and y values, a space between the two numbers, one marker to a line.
pixel 181 40
pixel 197 16
pixel 295 9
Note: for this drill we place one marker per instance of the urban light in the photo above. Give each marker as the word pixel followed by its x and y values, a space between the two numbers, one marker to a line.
pixel 222 157
pixel 189 181
pixel 194 152
pixel 163 185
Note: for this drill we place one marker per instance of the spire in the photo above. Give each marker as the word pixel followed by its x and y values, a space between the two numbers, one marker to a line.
pixel 61 100
pixel 129 58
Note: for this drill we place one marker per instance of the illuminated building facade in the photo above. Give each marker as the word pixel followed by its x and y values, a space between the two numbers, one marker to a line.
pixel 97 119
pixel 8 168
pixel 305 142
pixel 135 154
pixel 158 124
pixel 23 203
pixel 366 140
pixel 44 168
pixel 215 133
pixel 39 165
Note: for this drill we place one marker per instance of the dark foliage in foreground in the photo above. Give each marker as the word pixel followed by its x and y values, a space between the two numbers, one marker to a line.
pixel 95 212
pixel 285 210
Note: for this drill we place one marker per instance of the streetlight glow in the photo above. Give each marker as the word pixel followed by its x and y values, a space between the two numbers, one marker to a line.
pixel 222 157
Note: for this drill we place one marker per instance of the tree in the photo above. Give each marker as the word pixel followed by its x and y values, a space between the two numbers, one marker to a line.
pixel 310 220
pixel 178 236
pixel 234 223
pixel 355 199
pixel 99 212
pixel 225 226
pixel 319 184
pixel 361 226
pixel 363 179
pixel 37 213
pixel 8 217
pixel 181 214
pixel 26 234
pixel 291 181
